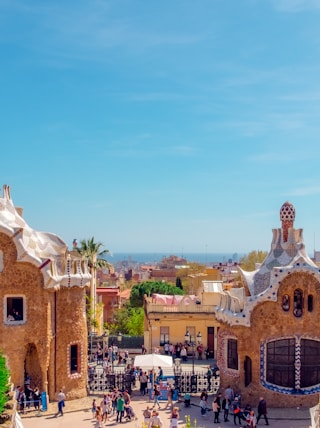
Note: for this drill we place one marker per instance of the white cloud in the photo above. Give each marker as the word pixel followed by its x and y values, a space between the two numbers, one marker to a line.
pixel 294 6
pixel 305 191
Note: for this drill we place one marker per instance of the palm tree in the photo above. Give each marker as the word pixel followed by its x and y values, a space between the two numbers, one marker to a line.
pixel 91 250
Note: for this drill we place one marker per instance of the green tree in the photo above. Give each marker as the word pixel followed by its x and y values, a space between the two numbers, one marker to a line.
pixel 93 252
pixel 4 383
pixel 129 321
pixel 248 262
pixel 148 288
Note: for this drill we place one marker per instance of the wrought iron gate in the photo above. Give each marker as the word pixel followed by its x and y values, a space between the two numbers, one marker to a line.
pixel 195 383
pixel 100 382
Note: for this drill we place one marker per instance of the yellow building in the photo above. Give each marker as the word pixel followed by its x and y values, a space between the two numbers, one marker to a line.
pixel 169 318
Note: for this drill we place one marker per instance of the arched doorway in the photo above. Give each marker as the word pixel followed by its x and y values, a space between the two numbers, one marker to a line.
pixel 32 366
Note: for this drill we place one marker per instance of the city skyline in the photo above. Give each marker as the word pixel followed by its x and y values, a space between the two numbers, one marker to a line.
pixel 162 127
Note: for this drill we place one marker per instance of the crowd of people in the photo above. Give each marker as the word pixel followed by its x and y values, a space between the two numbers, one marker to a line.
pixel 109 355
pixel 116 404
pixel 229 404
pixel 28 397
pixel 226 406
pixel 182 350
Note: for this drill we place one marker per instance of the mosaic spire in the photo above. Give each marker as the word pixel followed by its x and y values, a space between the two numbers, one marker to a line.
pixel 287 216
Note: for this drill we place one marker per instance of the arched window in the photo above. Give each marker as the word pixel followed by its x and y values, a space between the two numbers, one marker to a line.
pixel 285 302
pixel 247 371
pixel 298 303
pixel 232 361
pixel 310 302
pixel 292 363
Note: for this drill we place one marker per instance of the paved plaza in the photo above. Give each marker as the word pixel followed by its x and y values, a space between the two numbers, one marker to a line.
pixel 77 413
pixel 82 417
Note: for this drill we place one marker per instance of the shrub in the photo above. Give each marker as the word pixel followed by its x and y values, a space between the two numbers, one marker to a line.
pixel 4 384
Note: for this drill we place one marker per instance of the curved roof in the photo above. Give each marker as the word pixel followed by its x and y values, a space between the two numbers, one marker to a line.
pixel 45 250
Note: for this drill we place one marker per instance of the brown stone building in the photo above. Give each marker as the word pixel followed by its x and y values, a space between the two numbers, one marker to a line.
pixel 269 336
pixel 43 328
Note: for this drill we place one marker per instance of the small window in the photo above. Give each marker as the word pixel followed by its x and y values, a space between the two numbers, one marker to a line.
pixel 74 354
pixel 164 335
pixel 285 302
pixel 14 310
pixel 310 303
pixel 298 303
pixel 247 371
pixel 232 354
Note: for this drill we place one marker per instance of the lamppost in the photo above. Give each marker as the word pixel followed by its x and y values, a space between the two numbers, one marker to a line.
pixel 91 346
pixel 119 339
pixel 105 340
pixel 189 340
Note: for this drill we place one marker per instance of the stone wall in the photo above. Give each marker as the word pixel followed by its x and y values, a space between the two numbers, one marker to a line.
pixel 268 322
pixel 52 321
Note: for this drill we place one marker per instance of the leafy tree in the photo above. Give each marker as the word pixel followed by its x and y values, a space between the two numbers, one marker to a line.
pixel 148 288
pixel 4 384
pixel 129 321
pixel 93 252
pixel 248 262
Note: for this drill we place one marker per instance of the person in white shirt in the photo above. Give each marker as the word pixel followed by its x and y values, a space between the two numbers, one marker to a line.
pixel 61 404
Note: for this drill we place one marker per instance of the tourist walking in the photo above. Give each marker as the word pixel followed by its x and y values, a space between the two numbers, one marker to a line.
pixel 251 420
pixel 226 404
pixel 230 393
pixel 147 416
pixel 155 421
pixel 203 405
pixel 114 399
pixel 143 378
pixel 156 394
pixel 218 400
pixel 104 407
pixel 174 418
pixel 99 417
pixel 120 408
pixel 36 398
pixel 61 402
pixel 209 376
pixel 22 400
pixel 215 409
pixel 237 413
pixel 262 410
pixel 170 391
pixel 94 408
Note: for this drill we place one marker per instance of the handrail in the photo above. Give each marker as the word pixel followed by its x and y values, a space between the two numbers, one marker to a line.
pixel 153 307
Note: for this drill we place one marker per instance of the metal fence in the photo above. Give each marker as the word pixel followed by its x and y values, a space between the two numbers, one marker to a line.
pixel 196 383
pixel 103 382
pixel 183 382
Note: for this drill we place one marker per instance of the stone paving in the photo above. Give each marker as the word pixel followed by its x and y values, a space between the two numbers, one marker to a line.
pixel 78 413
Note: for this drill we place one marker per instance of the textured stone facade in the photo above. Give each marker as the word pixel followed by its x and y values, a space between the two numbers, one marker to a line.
pixel 271 347
pixel 48 338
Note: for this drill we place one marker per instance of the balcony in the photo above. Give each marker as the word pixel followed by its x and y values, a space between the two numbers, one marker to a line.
pixel 192 308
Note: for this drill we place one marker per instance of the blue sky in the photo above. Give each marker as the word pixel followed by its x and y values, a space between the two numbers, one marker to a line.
pixel 172 126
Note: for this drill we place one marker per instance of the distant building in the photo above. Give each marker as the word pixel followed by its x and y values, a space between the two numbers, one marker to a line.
pixel 109 296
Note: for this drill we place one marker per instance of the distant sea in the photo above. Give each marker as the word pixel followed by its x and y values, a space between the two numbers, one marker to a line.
pixel 149 258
